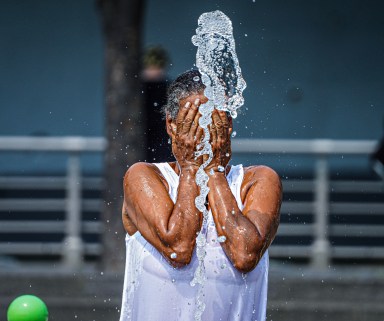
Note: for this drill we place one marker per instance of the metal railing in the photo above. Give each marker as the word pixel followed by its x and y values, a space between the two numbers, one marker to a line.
pixel 72 248
pixel 320 251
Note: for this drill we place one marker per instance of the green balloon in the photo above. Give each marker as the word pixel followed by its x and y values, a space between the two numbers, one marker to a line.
pixel 27 308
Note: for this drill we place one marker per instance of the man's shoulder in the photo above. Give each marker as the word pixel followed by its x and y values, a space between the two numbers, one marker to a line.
pixel 260 175
pixel 140 170
pixel 260 171
pixel 140 167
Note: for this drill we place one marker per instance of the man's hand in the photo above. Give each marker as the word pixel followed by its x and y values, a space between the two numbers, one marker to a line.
pixel 220 140
pixel 188 135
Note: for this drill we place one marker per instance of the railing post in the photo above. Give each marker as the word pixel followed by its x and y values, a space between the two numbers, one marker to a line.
pixel 321 250
pixel 73 245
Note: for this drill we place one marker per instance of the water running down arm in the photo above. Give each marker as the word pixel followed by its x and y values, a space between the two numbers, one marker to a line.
pixel 249 232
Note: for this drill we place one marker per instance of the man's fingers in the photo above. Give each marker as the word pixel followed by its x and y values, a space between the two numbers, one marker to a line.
pixel 181 115
pixel 188 120
pixel 213 132
pixel 225 121
pixel 224 118
pixel 198 136
pixel 195 125
pixel 218 124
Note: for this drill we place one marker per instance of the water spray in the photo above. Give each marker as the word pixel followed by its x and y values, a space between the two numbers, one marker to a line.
pixel 217 62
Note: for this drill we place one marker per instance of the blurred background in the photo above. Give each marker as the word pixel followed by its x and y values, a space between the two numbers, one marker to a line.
pixel 81 85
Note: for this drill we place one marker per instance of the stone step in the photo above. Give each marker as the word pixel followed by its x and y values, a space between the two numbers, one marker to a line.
pixel 330 290
pixel 60 285
pixel 293 293
pixel 292 288
pixel 85 309
pixel 77 308
pixel 361 284
pixel 324 310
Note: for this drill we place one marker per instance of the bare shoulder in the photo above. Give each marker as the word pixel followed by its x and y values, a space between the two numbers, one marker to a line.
pixel 138 170
pixel 263 176
pixel 256 172
pixel 141 168
pixel 142 173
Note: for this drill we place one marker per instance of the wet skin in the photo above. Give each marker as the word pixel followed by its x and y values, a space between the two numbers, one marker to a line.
pixel 172 228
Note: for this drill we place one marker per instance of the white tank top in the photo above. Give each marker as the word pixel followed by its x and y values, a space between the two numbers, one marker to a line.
pixel 155 291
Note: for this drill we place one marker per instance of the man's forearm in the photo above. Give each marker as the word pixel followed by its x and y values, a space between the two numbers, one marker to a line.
pixel 185 219
pixel 241 237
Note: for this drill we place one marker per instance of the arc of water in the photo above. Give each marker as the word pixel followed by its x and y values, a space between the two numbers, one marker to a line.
pixel 217 62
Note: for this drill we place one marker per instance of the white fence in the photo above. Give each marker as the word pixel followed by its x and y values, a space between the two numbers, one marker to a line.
pixel 72 247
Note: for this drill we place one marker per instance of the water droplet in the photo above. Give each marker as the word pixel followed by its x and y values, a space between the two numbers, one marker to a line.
pixel 221 239
pixel 220 168
pixel 233 135
pixel 196 78
pixel 173 255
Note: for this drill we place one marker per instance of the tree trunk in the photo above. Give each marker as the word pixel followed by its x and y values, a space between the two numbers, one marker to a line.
pixel 122 21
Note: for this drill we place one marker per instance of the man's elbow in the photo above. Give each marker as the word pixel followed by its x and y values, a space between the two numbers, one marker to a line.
pixel 246 263
pixel 180 255
pixel 179 260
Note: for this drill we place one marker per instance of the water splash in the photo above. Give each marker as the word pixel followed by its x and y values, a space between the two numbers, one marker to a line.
pixel 217 62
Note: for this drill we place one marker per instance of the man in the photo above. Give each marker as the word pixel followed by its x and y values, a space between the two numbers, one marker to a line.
pixel 154 87
pixel 162 222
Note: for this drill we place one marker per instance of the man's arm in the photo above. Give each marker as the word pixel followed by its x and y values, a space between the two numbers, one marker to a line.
pixel 248 232
pixel 170 228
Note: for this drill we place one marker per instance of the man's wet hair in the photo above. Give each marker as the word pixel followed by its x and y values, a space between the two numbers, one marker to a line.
pixel 184 85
